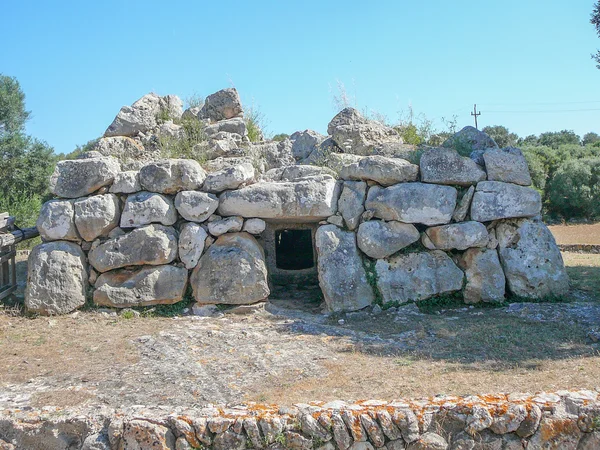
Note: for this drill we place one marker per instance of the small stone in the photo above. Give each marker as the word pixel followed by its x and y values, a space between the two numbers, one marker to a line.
pixel 196 206
pixel 254 226
pixel 126 183
pixel 227 225
pixel 145 208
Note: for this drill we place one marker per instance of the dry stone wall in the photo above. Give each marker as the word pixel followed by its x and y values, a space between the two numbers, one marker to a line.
pixel 132 230
pixel 566 420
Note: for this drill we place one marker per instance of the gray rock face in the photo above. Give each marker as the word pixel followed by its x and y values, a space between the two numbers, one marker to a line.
pixel 228 225
pixel 224 104
pixel 297 172
pixel 495 200
pixel 80 177
pixel 485 277
pixel 470 139
pixel 237 125
pixel 273 154
pixel 315 198
pixel 417 276
pixel 357 135
pixel 429 441
pixel 131 154
pixel 137 118
pixel 379 239
pixel 172 175
pixel 57 221
pixel 191 244
pixel 458 236
pixel 57 278
pixel 126 183
pixel 463 206
pixel 149 245
pixel 145 208
pixel 173 105
pixel 342 276
pixel 232 271
pixel 531 259
pixel 254 226
pixel 385 171
pixel 229 178
pixel 446 166
pixel 428 204
pixel 304 143
pixel 196 206
pixel 351 202
pixel 96 216
pixel 155 285
pixel 507 165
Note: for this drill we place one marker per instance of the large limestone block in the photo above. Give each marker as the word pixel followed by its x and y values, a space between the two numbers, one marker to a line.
pixel 237 125
pixel 342 276
pixel 232 271
pixel 57 221
pixel 224 104
pixel 446 166
pixel 229 178
pixel 352 201
pixel 131 154
pixel 310 199
pixel 379 239
pixel 495 200
pixel 96 216
pixel 137 118
pixel 149 245
pixel 145 208
pixel 428 204
pixel 80 177
pixel 196 206
pixel 458 236
pixel 57 278
pixel 385 171
pixel 417 276
pixel 153 285
pixel 172 175
pixel 507 165
pixel 470 139
pixel 531 259
pixel 485 277
pixel 126 182
pixel 304 143
pixel 357 135
pixel 297 172
pixel 191 244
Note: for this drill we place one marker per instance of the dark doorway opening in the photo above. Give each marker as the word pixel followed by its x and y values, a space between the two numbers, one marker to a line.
pixel 294 249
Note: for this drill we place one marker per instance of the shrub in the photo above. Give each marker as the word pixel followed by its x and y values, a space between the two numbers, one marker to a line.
pixel 255 123
pixel 280 137
pixel 574 190
pixel 189 146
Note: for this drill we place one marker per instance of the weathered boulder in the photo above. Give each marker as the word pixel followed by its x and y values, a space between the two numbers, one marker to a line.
pixel 171 130
pixel 379 239
pixel 172 175
pixel 458 236
pixel 355 134
pixel 485 277
pixel 227 225
pixel 196 206
pixel 224 104
pixel 191 244
pixel 417 276
pixel 428 204
pixel 144 208
pixel 237 125
pixel 126 183
pixel 172 105
pixel 495 200
pixel 80 177
pixel 191 113
pixel 342 276
pixel 463 206
pixel 137 118
pixel 351 202
pixel 131 154
pixel 96 216
pixel 314 198
pixel 214 165
pixel 446 166
pixel 231 271
pixel 296 172
pixel 470 139
pixel 254 226
pixel 57 278
pixel 272 154
pixel 556 433
pixel 153 285
pixel 139 434
pixel 531 259
pixel 229 178
pixel 382 170
pixel 304 143
pixel 57 221
pixel 507 165
pixel 429 441
pixel 149 245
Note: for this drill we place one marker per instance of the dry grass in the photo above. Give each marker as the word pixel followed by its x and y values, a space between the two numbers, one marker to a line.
pixel 584 272
pixel 576 234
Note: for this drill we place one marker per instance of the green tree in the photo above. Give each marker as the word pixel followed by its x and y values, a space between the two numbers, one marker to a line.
pixel 574 191
pixel 555 139
pixel 12 106
pixel 281 137
pixel 595 20
pixel 590 138
pixel 501 135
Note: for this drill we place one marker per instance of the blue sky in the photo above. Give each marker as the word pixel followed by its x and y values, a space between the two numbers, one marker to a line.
pixel 525 63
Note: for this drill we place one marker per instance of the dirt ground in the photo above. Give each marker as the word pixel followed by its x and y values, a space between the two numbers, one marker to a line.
pixel 576 234
pixel 287 353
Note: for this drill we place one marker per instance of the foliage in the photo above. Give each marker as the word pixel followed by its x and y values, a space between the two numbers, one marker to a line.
pixel 555 139
pixel 255 123
pixel 574 190
pixel 595 20
pixel 188 146
pixel 590 139
pixel 501 135
pixel 194 101
pixel 88 146
pixel 12 106
pixel 280 137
